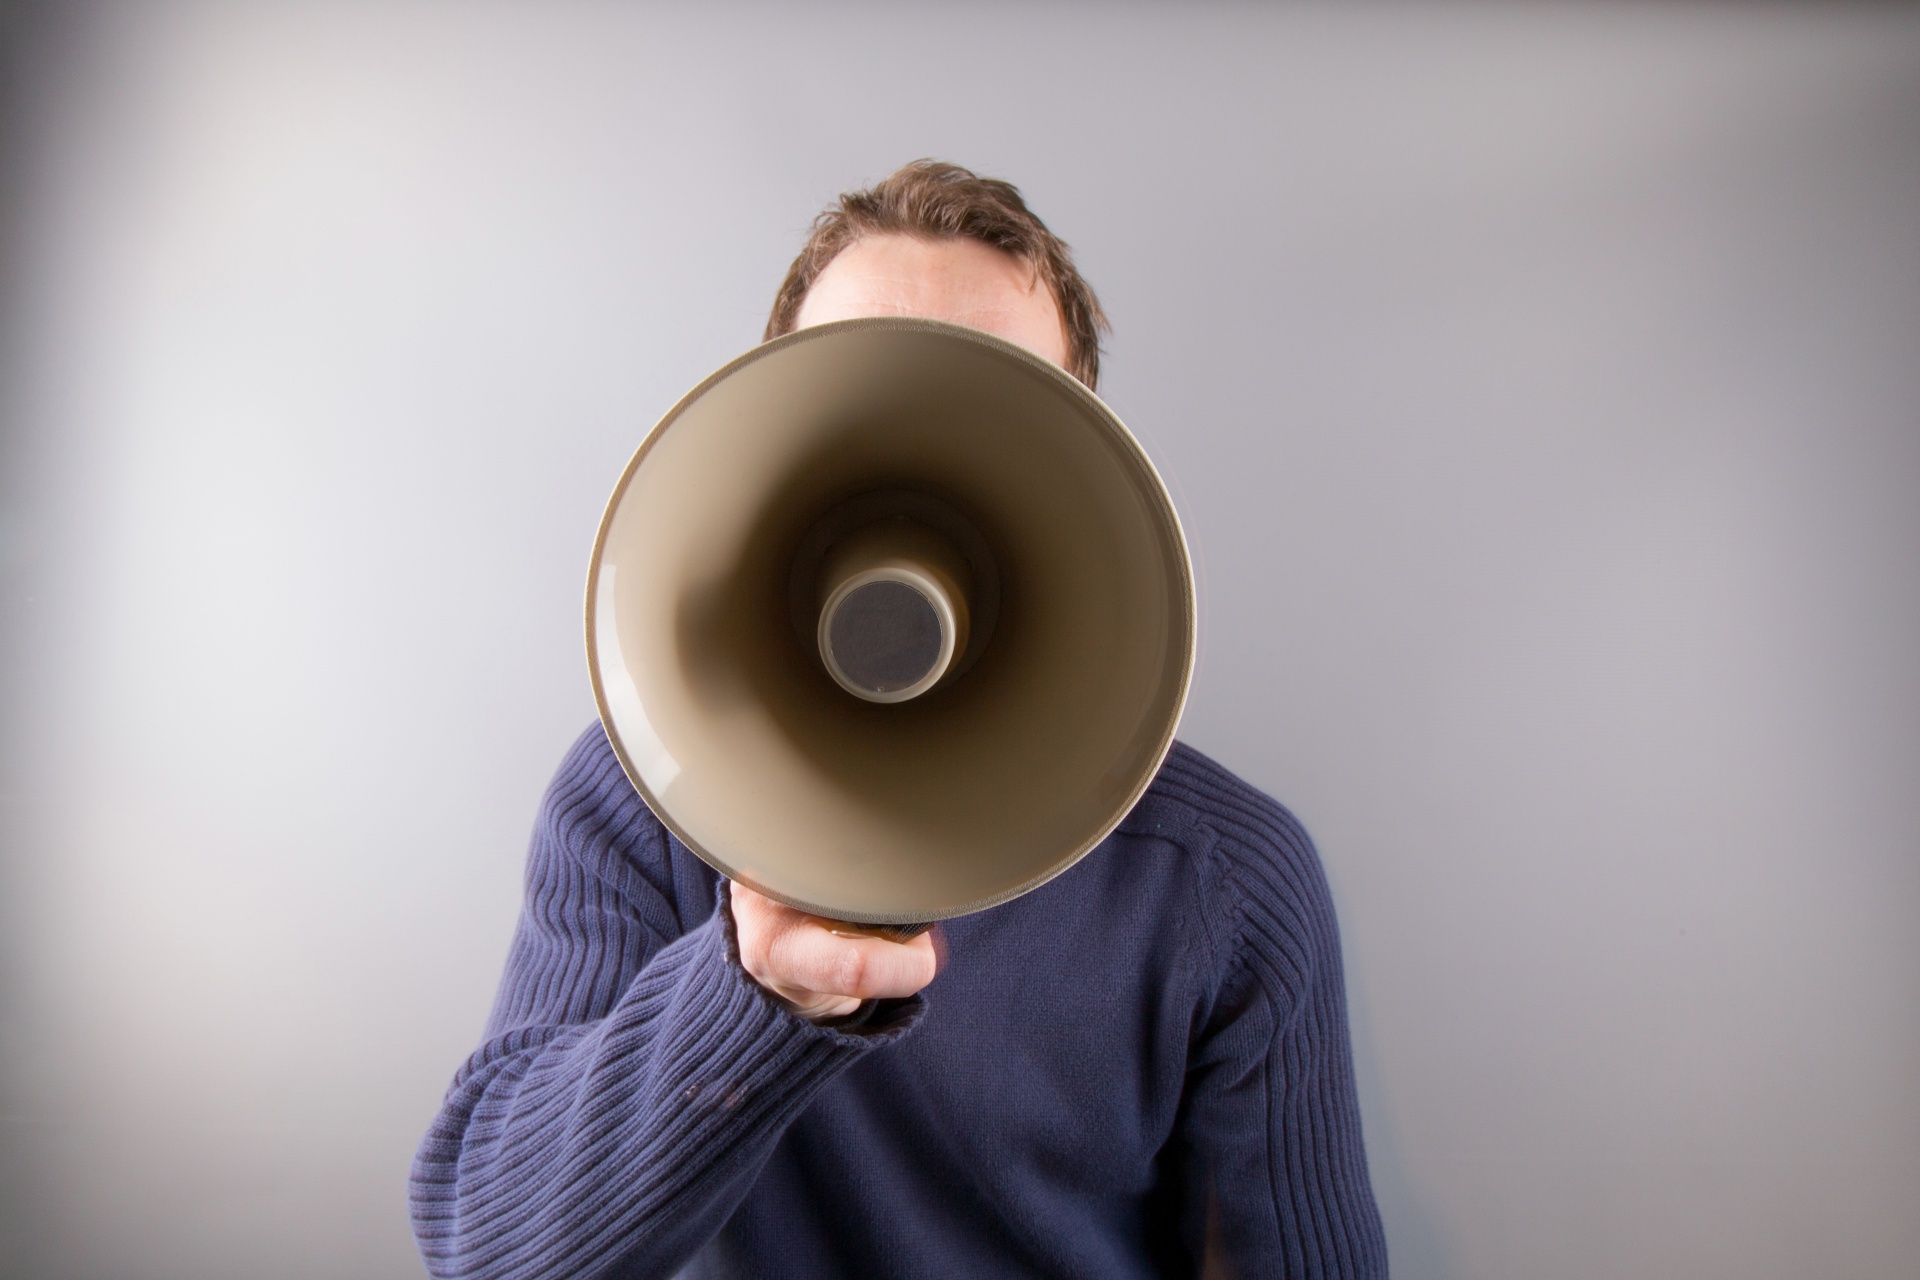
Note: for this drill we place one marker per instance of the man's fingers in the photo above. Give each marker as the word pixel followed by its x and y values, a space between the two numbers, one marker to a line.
pixel 800 957
pixel 808 955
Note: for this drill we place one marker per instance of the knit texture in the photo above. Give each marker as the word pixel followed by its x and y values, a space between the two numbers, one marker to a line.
pixel 1139 1069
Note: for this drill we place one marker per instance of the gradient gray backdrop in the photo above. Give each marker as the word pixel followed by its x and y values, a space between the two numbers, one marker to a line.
pixel 1541 388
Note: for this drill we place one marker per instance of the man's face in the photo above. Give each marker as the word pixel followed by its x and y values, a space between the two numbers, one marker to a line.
pixel 962 281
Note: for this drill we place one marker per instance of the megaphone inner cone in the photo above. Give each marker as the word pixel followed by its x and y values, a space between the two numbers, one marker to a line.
pixel 894 612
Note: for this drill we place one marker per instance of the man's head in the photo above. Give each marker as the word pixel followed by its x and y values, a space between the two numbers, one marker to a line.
pixel 938 241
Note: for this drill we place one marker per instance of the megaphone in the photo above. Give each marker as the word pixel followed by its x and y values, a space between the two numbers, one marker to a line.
pixel 890 620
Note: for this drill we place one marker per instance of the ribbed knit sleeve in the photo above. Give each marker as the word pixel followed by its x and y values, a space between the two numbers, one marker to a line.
pixel 1278 1170
pixel 633 1078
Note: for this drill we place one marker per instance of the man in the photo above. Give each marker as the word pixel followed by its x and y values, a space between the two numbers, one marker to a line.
pixel 1139 1069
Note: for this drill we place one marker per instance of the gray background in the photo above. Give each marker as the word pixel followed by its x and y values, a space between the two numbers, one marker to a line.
pixel 1539 386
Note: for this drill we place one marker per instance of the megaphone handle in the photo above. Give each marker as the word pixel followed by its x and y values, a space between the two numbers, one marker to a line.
pixel 891 932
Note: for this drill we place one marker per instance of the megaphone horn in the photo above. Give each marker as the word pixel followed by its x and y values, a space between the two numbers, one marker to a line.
pixel 890 620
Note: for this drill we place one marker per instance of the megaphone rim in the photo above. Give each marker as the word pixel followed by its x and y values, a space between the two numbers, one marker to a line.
pixel 1101 411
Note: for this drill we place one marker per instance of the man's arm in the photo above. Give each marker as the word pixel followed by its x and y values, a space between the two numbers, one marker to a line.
pixel 633 1079
pixel 1276 1169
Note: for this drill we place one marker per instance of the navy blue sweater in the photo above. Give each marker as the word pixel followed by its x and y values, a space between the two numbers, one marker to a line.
pixel 1137 1069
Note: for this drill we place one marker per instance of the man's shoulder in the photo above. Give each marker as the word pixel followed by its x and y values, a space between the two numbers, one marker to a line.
pixel 590 790
pixel 1195 796
pixel 1248 837
pixel 591 813
pixel 1263 892
pixel 594 828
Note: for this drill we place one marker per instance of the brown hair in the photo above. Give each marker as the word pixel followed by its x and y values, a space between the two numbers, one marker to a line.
pixel 939 201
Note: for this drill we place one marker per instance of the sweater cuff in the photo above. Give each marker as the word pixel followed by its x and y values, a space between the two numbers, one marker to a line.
pixel 875 1023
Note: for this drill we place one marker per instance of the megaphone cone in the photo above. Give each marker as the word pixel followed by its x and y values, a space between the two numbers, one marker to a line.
pixel 890 620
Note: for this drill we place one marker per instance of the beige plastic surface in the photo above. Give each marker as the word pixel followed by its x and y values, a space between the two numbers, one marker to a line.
pixel 973 793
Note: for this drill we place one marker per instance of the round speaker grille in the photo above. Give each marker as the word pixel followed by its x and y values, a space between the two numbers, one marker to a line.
pixel 885 636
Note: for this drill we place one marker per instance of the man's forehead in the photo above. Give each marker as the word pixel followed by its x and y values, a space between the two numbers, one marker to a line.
pixel 903 263
pixel 963 281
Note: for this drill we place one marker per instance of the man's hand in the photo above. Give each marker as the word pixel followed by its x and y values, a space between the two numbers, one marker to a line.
pixel 823 969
